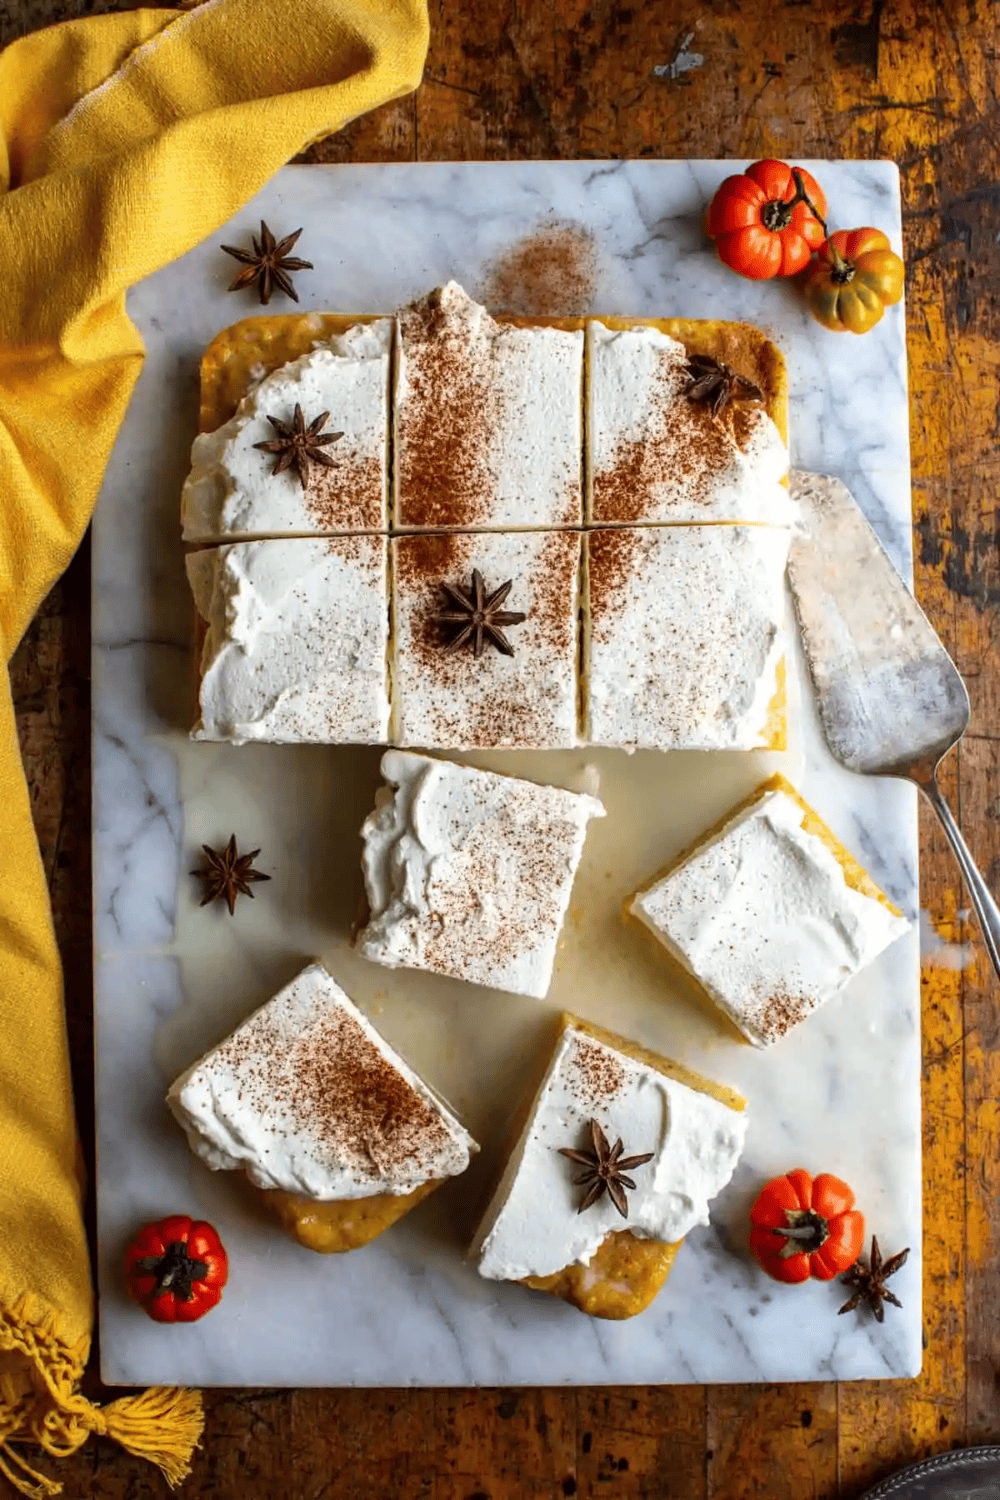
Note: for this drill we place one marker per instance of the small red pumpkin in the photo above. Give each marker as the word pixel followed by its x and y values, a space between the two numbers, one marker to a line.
pixel 768 220
pixel 176 1269
pixel 806 1227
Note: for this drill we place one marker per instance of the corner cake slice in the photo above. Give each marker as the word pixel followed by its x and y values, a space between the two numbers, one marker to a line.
pixel 547 1226
pixel 769 912
pixel 232 491
pixel 659 456
pixel 684 637
pixel 320 1112
pixel 295 640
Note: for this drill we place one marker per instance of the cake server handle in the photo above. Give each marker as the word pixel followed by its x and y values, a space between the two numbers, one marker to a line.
pixel 986 908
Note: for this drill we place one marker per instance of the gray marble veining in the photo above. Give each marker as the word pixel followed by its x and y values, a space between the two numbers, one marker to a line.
pixel 408 1309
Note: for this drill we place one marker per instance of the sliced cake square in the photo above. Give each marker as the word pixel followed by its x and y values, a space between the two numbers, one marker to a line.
pixel 668 1140
pixel 658 455
pixel 488 419
pixel 320 1112
pixel 522 688
pixel 232 490
pixel 296 640
pixel 469 873
pixel 684 637
pixel 769 912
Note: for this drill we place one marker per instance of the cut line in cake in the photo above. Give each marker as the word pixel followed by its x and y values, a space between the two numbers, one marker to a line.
pixel 657 622
pixel 479 424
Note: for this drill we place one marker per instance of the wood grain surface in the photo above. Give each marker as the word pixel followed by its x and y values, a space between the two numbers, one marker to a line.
pixel 916 82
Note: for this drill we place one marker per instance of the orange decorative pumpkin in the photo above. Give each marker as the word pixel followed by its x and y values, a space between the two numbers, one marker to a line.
pixel 806 1227
pixel 768 220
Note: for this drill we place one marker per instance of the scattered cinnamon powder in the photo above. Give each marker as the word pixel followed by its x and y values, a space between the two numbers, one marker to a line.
pixel 552 272
pixel 595 1073
pixel 611 560
pixel 333 1084
pixel 422 561
pixel 442 424
pixel 357 547
pixel 775 1016
pixel 682 445
pixel 348 495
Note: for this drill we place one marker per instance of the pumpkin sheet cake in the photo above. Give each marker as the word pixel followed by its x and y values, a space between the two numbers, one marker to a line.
pixel 521 690
pixel 233 491
pixel 619 1157
pixel 322 1115
pixel 769 912
pixel 664 637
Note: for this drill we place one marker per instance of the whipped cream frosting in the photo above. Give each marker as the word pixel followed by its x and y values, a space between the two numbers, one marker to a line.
pixel 296 642
pixel 488 422
pixel 763 917
pixel 655 456
pixel 307 1096
pixel 533 1227
pixel 231 490
pixel 684 629
pixel 469 873
pixel 443 701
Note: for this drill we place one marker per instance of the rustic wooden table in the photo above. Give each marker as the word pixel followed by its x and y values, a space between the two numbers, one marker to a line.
pixel 916 82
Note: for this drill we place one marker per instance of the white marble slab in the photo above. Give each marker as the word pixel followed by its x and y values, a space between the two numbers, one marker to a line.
pixel 842 1094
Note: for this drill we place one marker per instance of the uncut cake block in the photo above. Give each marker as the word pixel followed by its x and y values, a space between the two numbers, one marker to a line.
pixel 769 912
pixel 322 1114
pixel 295 641
pixel 656 456
pixel 488 419
pixel 231 490
pixel 539 1228
pixel 451 700
pixel 684 637
pixel 469 873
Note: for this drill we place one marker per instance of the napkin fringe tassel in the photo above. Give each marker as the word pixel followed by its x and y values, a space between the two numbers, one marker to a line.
pixel 44 1407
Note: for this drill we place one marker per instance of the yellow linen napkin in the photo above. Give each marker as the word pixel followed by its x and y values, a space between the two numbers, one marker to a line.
pixel 124 141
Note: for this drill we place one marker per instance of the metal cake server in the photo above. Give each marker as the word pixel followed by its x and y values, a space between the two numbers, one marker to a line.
pixel 891 701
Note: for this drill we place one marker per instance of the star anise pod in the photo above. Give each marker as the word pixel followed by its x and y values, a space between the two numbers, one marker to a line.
pixel 298 444
pixel 716 384
pixel 870 1282
pixel 606 1168
pixel 228 874
pixel 479 617
pixel 269 264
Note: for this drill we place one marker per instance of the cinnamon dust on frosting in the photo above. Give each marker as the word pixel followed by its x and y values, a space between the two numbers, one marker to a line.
pixel 488 429
pixel 657 456
pixel 595 1073
pixel 307 1097
pixel 333 1084
pixel 454 701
